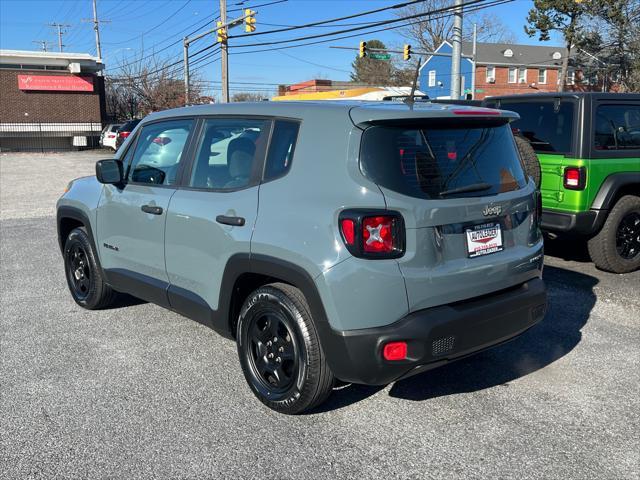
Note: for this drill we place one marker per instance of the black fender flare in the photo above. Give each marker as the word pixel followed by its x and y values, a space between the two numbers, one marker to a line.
pixel 74 213
pixel 612 184
pixel 331 341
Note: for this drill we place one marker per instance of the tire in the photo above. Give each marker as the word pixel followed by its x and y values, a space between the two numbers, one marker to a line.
pixel 275 323
pixel 84 274
pixel 530 160
pixel 616 248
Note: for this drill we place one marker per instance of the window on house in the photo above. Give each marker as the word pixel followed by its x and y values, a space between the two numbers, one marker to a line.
pixel 542 75
pixel 512 74
pixel 432 78
pixel 571 76
pixel 491 74
pixel 522 75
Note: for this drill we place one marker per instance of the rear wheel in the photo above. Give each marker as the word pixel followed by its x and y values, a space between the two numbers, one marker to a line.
pixel 616 248
pixel 280 351
pixel 529 159
pixel 84 275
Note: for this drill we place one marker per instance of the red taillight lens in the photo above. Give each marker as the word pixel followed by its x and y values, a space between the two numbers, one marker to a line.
pixel 575 178
pixel 377 235
pixel 373 234
pixel 394 351
pixel 348 227
pixel 123 134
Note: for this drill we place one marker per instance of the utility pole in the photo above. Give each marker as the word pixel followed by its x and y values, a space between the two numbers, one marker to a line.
pixel 224 53
pixel 457 50
pixel 221 29
pixel 96 28
pixel 185 44
pixel 59 26
pixel 474 53
pixel 42 43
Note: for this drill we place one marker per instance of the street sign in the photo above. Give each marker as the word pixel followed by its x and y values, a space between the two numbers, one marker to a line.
pixel 380 56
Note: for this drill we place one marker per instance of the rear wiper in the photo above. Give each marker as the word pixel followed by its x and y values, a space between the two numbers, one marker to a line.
pixel 474 187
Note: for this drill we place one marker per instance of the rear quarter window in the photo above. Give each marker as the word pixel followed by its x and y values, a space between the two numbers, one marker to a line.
pixel 430 162
pixel 617 127
pixel 548 125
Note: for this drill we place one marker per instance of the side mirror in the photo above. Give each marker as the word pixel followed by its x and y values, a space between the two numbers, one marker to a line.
pixel 109 171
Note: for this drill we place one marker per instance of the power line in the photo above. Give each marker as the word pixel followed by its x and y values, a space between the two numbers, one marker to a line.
pixel 317 42
pixel 156 26
pixel 372 25
pixel 338 19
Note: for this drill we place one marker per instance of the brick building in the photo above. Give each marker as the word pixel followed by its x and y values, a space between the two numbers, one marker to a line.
pixel 500 69
pixel 50 100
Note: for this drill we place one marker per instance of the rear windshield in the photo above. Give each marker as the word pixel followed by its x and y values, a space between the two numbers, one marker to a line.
pixel 442 162
pixel 548 125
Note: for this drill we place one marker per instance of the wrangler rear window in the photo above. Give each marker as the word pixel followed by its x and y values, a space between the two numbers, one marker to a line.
pixel 434 163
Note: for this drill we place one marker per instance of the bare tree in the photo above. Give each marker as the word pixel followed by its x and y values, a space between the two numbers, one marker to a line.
pixel 147 85
pixel 428 34
pixel 247 97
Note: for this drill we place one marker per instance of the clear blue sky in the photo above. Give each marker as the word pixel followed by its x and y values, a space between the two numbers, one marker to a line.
pixel 156 24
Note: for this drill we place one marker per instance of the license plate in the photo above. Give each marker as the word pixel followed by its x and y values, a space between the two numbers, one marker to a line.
pixel 484 239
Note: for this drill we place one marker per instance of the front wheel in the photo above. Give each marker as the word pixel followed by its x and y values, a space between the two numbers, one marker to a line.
pixel 616 248
pixel 84 275
pixel 280 351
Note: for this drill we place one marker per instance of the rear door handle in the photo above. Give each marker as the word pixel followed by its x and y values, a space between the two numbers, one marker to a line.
pixel 152 209
pixel 233 221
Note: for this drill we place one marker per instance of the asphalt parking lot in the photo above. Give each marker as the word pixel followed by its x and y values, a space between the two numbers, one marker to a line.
pixel 140 392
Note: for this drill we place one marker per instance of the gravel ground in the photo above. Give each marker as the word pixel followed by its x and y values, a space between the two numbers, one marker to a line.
pixel 140 392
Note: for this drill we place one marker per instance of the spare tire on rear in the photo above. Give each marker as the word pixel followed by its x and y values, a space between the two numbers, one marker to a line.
pixel 529 159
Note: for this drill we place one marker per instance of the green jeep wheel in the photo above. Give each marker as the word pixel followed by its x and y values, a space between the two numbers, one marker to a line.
pixel 616 248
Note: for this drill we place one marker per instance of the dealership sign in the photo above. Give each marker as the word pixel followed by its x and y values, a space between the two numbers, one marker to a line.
pixel 58 83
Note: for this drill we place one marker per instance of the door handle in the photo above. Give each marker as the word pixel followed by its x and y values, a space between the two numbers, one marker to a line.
pixel 233 221
pixel 152 209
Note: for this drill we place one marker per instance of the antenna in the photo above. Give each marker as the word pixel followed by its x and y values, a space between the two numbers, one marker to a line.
pixel 410 100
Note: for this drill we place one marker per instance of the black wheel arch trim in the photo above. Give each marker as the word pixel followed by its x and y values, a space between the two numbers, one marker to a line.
pixel 74 213
pixel 612 184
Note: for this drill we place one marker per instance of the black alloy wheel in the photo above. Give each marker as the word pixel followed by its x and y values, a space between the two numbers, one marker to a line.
pixel 280 352
pixel 78 271
pixel 628 236
pixel 273 351
pixel 84 275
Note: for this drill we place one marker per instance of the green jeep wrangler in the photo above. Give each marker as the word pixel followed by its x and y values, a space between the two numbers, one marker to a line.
pixel 588 145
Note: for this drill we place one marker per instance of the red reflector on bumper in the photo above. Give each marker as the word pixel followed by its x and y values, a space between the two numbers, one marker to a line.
pixel 395 351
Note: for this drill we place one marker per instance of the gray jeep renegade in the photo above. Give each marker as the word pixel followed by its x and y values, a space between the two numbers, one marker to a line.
pixel 333 241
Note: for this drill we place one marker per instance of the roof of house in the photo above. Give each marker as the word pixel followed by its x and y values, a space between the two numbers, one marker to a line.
pixel 512 54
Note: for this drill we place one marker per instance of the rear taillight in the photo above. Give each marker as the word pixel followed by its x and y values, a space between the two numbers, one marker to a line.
pixel 373 234
pixel 348 227
pixel 575 178
pixel 123 134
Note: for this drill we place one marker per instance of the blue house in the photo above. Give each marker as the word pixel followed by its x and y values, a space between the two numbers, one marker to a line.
pixel 435 73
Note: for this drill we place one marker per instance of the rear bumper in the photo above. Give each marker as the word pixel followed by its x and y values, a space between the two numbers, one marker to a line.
pixel 435 336
pixel 581 223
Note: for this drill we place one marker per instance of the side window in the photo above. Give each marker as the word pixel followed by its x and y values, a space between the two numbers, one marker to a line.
pixel 229 154
pixel 159 148
pixel 617 127
pixel 283 143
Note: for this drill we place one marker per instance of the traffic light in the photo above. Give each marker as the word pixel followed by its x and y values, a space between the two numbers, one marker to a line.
pixel 249 20
pixel 363 49
pixel 221 32
pixel 407 52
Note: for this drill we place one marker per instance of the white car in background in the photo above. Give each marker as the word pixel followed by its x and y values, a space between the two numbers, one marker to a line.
pixel 109 135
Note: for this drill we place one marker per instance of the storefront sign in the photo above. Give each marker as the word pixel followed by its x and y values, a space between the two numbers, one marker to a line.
pixel 58 83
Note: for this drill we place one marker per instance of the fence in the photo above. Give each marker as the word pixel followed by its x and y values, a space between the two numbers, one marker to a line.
pixel 49 137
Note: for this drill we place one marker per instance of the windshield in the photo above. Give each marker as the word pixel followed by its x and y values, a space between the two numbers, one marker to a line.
pixel 442 162
pixel 548 124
